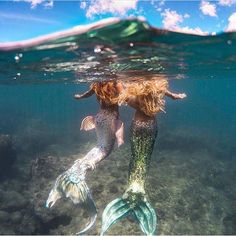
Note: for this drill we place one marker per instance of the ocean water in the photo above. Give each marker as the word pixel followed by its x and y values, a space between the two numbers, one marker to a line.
pixel 192 178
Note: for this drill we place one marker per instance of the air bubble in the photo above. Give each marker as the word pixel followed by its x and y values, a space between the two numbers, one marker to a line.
pixel 18 57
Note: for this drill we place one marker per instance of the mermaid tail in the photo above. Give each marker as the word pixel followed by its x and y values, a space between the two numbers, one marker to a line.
pixel 134 204
pixel 71 184
pixel 134 201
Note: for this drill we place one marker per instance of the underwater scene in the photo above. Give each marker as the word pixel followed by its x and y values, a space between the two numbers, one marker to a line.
pixel 118 128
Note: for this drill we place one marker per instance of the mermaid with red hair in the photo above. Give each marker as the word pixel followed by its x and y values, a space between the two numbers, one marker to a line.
pixel 109 129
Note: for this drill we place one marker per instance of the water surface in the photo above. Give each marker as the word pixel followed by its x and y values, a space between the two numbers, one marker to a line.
pixel 192 179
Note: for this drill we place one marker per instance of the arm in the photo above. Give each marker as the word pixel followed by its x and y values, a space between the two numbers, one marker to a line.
pixel 84 95
pixel 175 95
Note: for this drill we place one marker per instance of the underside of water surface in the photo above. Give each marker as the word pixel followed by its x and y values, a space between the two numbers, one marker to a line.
pixel 191 181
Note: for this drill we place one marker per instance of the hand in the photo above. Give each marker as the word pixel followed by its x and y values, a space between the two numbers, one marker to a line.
pixel 77 96
pixel 179 96
pixel 84 95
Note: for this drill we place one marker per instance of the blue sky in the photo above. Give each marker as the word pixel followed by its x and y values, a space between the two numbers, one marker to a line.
pixel 24 19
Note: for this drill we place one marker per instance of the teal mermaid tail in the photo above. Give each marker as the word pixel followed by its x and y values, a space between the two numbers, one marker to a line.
pixel 134 204
pixel 134 201
pixel 71 184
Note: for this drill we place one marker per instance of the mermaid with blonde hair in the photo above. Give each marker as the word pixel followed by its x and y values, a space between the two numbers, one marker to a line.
pixel 147 98
pixel 109 129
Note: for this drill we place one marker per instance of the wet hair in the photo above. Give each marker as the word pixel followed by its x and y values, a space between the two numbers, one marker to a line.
pixel 106 91
pixel 146 94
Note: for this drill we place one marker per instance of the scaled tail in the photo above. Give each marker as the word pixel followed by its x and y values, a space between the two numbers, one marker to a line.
pixel 134 204
pixel 71 184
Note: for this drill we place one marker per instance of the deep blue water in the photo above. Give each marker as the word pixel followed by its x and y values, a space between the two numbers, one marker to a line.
pixel 37 85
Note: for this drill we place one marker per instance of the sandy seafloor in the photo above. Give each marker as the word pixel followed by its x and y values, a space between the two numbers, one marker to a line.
pixel 191 185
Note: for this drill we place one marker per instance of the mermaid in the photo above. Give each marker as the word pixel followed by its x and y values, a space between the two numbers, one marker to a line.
pixel 146 97
pixel 109 129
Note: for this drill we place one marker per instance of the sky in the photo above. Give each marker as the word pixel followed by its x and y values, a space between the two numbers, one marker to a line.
pixel 24 19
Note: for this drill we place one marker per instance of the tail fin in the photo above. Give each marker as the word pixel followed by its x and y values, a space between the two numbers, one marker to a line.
pixel 136 205
pixel 91 207
pixel 71 184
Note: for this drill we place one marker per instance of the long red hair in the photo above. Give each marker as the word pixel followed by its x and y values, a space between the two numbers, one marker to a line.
pixel 107 91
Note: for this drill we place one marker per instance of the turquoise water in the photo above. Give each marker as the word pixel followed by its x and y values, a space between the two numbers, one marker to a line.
pixel 193 169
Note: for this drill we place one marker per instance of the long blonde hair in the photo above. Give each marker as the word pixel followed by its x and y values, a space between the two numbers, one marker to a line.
pixel 148 94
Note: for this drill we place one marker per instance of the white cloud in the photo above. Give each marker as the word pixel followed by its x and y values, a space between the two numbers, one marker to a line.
pixel 119 7
pixel 161 2
pixel 49 4
pixel 186 15
pixel 232 23
pixel 35 3
pixel 227 2
pixel 172 21
pixel 83 5
pixel 188 30
pixel 208 8
pixel 158 4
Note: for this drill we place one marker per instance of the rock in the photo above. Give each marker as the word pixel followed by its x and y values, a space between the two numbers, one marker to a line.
pixel 13 201
pixel 4 216
pixel 114 189
pixel 7 154
pixel 229 222
pixel 44 167
pixel 97 190
pixel 6 230
pixel 28 225
pixel 16 217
